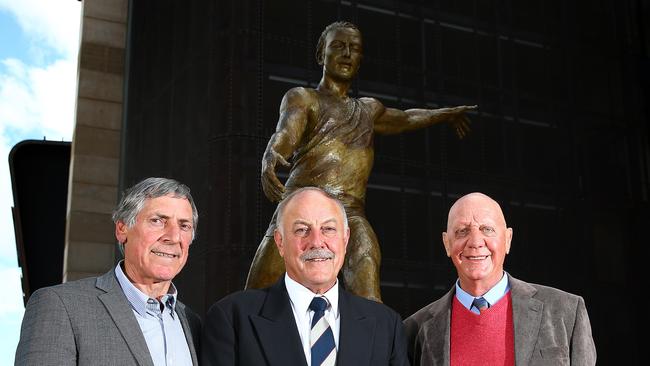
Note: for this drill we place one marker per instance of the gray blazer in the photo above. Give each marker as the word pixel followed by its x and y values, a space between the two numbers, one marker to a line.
pixel 551 328
pixel 89 322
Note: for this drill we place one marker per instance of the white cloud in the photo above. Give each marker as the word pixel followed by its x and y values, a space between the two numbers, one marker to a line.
pixel 48 23
pixel 11 282
pixel 38 100
pixel 11 314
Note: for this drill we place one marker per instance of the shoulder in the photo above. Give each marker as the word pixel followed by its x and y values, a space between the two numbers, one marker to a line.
pixel 554 300
pixel 300 94
pixel 373 103
pixel 546 294
pixel 60 303
pixel 556 297
pixel 251 299
pixel 364 306
pixel 428 312
pixel 370 101
pixel 66 291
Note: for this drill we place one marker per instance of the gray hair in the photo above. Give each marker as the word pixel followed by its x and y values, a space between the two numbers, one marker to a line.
pixel 285 201
pixel 133 200
pixel 320 46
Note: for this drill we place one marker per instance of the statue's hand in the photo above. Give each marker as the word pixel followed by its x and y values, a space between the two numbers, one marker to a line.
pixel 458 120
pixel 273 188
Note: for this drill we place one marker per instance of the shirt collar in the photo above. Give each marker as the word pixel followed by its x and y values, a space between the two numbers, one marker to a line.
pixel 137 298
pixel 301 296
pixel 492 296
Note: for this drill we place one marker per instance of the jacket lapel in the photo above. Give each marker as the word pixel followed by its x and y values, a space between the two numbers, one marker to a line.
pixel 119 309
pixel 437 348
pixel 356 333
pixel 527 317
pixel 180 311
pixel 276 329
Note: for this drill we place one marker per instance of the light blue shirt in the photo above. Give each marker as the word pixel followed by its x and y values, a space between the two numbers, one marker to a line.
pixel 492 297
pixel 159 323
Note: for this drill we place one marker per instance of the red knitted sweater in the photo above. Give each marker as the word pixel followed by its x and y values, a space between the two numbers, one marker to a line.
pixel 486 339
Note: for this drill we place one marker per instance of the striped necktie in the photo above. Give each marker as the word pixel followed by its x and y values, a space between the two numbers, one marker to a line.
pixel 480 303
pixel 323 349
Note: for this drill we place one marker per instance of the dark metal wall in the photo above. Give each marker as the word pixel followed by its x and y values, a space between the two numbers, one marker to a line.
pixel 560 138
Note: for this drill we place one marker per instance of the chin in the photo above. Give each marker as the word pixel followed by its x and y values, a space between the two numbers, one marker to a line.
pixel 166 275
pixel 321 280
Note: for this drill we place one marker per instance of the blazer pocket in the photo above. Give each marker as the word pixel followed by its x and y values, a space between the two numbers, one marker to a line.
pixel 554 353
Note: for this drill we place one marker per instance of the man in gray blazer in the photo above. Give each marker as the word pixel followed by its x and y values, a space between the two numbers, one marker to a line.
pixel 130 315
pixel 489 317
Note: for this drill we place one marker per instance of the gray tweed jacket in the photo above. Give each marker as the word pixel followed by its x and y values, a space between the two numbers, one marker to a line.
pixel 89 322
pixel 551 328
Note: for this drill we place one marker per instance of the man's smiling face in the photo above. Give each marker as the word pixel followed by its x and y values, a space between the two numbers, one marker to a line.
pixel 312 239
pixel 157 245
pixel 477 240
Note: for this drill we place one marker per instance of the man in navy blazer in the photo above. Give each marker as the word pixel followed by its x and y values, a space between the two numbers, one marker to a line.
pixel 272 326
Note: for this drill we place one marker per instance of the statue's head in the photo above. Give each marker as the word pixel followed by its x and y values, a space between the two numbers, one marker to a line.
pixel 340 50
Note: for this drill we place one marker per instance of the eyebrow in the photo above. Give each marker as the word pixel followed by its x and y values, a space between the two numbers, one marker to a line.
pixel 303 222
pixel 330 220
pixel 167 217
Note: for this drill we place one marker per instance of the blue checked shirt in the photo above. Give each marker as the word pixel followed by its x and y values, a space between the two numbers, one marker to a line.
pixel 159 323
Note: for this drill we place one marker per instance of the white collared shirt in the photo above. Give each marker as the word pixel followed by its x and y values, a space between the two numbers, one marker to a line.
pixel 301 297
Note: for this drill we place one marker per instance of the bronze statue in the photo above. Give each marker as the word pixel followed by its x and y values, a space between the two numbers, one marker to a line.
pixel 328 137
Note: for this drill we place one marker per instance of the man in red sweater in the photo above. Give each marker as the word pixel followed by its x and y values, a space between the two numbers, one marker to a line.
pixel 490 317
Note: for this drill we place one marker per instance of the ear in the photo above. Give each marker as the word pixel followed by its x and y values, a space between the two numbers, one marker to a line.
pixel 121 231
pixel 277 237
pixel 346 238
pixel 509 233
pixel 445 242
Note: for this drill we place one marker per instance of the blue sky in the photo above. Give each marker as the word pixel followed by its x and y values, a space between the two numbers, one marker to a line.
pixel 39 43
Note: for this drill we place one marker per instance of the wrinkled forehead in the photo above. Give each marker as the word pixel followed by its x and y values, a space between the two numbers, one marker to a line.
pixel 475 209
pixel 310 205
pixel 347 34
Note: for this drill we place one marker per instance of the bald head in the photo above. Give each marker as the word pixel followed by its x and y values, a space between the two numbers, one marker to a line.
pixel 476 199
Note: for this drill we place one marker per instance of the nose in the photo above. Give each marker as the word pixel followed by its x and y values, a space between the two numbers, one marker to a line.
pixel 475 239
pixel 172 233
pixel 316 239
pixel 346 51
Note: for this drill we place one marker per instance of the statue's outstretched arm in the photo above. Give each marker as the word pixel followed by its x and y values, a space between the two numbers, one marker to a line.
pixel 291 125
pixel 394 121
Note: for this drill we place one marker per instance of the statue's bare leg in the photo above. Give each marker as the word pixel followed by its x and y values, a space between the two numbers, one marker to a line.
pixel 361 266
pixel 267 265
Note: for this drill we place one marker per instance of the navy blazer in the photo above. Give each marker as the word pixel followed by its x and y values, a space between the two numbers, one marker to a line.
pixel 257 327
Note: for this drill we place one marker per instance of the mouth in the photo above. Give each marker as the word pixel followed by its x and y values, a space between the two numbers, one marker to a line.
pixel 317 255
pixel 475 257
pixel 318 259
pixel 164 255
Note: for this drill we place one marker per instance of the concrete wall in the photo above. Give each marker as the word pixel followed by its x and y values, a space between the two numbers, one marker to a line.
pixel 94 166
